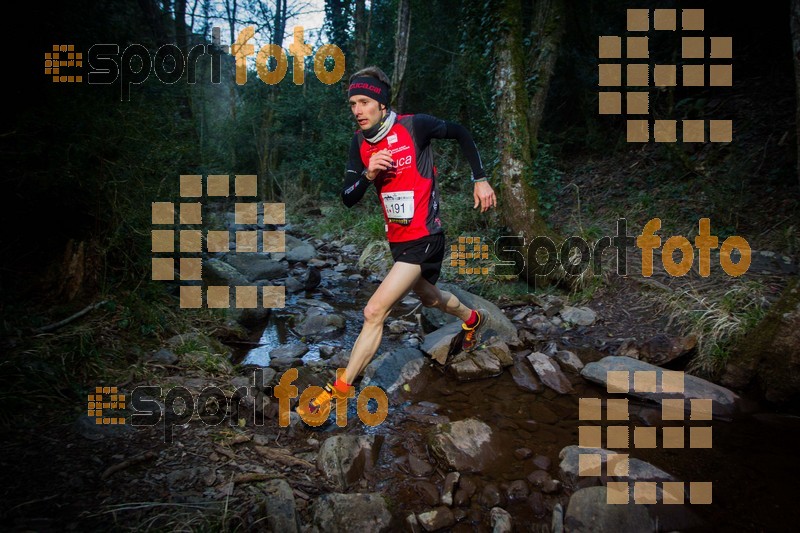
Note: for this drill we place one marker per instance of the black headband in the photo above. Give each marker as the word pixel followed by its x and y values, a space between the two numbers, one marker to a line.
pixel 372 87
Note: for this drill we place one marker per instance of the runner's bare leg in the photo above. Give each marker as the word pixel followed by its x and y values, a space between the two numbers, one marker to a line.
pixel 431 296
pixel 397 283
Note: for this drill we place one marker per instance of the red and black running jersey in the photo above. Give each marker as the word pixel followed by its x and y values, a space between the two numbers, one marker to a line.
pixel 407 192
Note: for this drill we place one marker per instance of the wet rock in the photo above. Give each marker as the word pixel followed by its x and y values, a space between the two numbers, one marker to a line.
pixel 412 524
pixel 341 513
pixel 343 458
pixel 218 272
pixel 542 481
pixel 318 324
pixel 491 496
pixel 557 523
pixel 326 352
pixel 522 314
pixel 536 504
pixel 459 515
pixel 163 356
pixel 500 520
pixel 293 284
pixel 298 251
pixel 549 373
pixel 311 302
pixel 580 316
pixel 428 492
pixel 522 453
pixel 438 518
pixel 500 351
pixel 588 512
pixel 524 377
pixel 257 266
pixel 466 490
pixel 263 377
pixel 661 348
pixel 376 258
pixel 340 359
pixel 284 363
pixel 542 461
pixel 419 467
pixel 390 371
pixel 464 445
pixel 725 402
pixel 340 268
pixel 628 348
pixel 449 485
pixel 569 361
pixel 638 470
pixel 541 326
pixel 497 320
pixel 478 364
pixel 289 351
pixel 401 326
pixel 437 343
pixel 517 490
pixel 279 506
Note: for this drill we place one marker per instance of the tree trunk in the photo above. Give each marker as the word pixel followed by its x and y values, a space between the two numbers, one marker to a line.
pixel 180 25
pixel 401 51
pixel 795 28
pixel 519 201
pixel 361 36
pixel 548 25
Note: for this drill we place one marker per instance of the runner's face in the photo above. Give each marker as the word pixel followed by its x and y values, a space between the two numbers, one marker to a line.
pixel 366 111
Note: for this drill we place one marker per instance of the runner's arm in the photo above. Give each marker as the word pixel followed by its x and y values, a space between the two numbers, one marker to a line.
pixel 355 182
pixel 429 127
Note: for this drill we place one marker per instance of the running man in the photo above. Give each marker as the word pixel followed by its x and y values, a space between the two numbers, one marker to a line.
pixel 393 153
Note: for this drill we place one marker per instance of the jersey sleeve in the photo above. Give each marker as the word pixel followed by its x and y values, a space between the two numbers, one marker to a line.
pixel 355 181
pixel 428 127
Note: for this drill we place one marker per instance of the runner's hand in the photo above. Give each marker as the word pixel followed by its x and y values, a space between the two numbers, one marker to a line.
pixel 379 162
pixel 483 194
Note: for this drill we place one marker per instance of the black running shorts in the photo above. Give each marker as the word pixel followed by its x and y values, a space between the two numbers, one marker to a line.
pixel 427 252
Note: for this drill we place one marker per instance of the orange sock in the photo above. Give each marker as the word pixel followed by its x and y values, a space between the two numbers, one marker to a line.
pixel 472 321
pixel 341 386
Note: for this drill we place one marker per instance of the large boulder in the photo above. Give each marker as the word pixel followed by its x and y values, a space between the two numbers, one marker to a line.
pixel 341 513
pixel 589 512
pixel 638 470
pixel 725 402
pixel 497 321
pixel 464 446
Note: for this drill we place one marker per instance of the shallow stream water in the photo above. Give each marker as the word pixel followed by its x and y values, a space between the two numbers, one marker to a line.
pixel 753 462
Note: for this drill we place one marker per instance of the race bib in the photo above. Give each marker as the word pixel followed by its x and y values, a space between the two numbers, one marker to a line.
pixel 399 206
